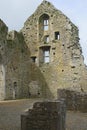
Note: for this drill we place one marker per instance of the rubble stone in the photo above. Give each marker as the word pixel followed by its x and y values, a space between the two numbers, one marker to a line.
pixel 76 101
pixel 44 56
pixel 47 115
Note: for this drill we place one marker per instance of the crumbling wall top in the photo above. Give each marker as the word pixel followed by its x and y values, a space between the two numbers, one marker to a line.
pixel 14 35
pixel 2 24
pixel 47 8
pixel 3 29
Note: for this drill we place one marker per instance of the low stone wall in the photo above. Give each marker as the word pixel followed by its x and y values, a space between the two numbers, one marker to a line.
pixel 76 101
pixel 48 115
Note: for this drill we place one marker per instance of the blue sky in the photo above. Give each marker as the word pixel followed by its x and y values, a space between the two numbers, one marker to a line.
pixel 15 12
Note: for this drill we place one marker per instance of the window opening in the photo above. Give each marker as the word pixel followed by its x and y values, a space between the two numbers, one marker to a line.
pixel 33 59
pixel 46 39
pixel 46 56
pixel 46 22
pixel 57 35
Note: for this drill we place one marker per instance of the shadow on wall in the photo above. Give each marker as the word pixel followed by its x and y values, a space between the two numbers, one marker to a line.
pixel 23 78
pixel 40 86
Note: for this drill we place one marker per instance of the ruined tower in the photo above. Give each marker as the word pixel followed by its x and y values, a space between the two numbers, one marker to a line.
pixel 54 46
pixel 43 57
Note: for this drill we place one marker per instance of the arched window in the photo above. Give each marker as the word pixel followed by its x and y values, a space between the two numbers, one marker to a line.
pixel 44 22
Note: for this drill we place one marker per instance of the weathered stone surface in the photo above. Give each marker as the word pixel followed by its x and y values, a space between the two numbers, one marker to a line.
pixel 76 101
pixel 3 42
pixel 65 67
pixel 23 78
pixel 48 115
pixel 17 72
pixel 44 56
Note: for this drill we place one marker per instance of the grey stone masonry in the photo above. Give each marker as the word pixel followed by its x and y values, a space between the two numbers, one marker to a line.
pixel 76 101
pixel 47 115
pixel 44 56
pixel 53 41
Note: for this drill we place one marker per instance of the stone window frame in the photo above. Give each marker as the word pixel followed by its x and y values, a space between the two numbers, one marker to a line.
pixel 44 55
pixel 44 18
pixel 46 24
pixel 57 35
pixel 46 39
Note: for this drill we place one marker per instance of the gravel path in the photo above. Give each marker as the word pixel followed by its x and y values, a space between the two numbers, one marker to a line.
pixel 10 116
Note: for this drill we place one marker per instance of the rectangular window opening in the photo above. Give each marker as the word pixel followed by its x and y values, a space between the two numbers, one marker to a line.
pixel 46 56
pixel 57 36
pixel 46 22
pixel 46 39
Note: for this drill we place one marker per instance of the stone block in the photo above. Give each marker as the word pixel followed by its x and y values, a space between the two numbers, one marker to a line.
pixel 48 115
pixel 76 101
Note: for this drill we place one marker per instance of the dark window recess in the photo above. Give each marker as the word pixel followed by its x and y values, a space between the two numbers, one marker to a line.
pixel 54 48
pixel 33 59
pixel 57 35
pixel 54 53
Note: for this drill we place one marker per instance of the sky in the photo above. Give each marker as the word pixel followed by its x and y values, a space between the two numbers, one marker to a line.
pixel 15 12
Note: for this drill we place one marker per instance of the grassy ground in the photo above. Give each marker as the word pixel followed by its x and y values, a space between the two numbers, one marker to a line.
pixel 10 113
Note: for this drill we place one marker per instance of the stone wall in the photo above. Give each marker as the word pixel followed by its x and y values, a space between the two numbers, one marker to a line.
pixel 66 65
pixel 19 76
pixel 47 115
pixel 44 56
pixel 17 66
pixel 3 42
pixel 23 77
pixel 76 101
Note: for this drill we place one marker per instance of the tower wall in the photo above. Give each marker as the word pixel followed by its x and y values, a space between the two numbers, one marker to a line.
pixel 54 42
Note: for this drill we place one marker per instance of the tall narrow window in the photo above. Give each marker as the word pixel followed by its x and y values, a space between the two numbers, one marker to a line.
pixel 46 56
pixel 57 35
pixel 46 23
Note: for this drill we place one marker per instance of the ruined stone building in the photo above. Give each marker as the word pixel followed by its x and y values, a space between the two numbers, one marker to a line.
pixel 44 56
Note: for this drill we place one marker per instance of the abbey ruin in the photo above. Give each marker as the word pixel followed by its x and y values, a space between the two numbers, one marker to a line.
pixel 44 56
